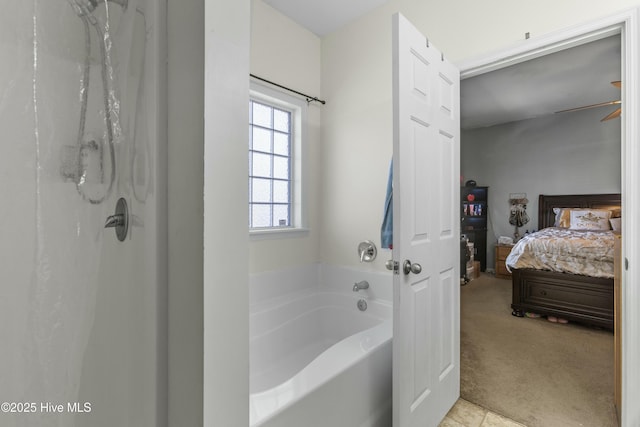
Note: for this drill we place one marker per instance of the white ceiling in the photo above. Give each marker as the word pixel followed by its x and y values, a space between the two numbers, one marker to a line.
pixel 567 79
pixel 324 16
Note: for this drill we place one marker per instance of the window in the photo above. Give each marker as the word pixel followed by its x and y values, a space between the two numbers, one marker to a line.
pixel 275 135
pixel 269 166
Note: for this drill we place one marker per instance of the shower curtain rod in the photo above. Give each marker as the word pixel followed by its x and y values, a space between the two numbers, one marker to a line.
pixel 308 97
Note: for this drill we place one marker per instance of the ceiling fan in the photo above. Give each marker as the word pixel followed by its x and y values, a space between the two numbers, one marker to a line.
pixel 610 116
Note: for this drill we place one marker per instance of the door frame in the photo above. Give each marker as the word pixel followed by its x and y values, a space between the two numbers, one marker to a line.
pixel 624 23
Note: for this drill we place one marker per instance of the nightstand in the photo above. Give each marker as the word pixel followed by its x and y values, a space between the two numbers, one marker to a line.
pixel 502 252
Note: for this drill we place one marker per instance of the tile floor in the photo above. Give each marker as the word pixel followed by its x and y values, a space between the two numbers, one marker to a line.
pixel 467 414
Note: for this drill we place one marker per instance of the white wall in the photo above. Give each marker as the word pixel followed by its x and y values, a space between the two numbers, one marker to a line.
pixel 357 139
pixel 559 154
pixel 287 54
pixel 185 27
pixel 356 81
pixel 226 282
pixel 208 302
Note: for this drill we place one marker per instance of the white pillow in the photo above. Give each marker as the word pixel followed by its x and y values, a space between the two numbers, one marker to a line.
pixel 562 217
pixel 590 219
pixel 616 224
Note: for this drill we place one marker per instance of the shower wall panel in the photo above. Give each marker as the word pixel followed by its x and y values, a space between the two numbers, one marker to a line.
pixel 81 312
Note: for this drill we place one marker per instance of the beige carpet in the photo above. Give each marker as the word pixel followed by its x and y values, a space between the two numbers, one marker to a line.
pixel 539 373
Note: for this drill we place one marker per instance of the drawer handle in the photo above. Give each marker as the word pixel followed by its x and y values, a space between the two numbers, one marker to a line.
pixel 543 293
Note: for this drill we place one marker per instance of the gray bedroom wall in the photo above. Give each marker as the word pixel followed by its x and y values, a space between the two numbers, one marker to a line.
pixel 572 153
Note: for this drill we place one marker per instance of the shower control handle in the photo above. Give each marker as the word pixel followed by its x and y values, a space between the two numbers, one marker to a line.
pixel 116 220
pixel 408 267
pixel 367 251
pixel 119 220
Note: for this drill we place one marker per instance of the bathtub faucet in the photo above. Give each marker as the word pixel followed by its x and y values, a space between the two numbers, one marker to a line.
pixel 360 285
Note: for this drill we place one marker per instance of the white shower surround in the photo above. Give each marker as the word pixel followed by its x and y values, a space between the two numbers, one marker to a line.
pixel 312 351
pixel 82 311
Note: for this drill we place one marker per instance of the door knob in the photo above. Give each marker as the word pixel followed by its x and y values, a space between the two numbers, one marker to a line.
pixel 408 267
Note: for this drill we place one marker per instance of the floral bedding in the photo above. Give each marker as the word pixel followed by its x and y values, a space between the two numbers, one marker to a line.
pixel 585 252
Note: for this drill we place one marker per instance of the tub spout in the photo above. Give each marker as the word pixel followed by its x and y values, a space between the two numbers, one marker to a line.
pixel 360 285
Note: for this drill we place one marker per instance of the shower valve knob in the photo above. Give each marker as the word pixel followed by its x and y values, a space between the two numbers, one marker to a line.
pixel 114 221
pixel 119 220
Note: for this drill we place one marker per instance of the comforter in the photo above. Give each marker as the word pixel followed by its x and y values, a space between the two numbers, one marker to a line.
pixel 585 252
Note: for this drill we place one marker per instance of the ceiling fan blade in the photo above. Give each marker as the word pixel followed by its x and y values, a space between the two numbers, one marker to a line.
pixel 617 84
pixel 612 115
pixel 601 104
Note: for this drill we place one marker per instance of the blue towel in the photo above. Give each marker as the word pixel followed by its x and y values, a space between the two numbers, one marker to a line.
pixel 386 231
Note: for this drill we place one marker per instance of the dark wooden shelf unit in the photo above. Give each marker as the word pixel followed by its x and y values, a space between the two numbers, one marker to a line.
pixel 473 217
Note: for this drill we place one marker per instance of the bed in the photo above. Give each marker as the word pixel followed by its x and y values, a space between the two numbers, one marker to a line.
pixel 575 297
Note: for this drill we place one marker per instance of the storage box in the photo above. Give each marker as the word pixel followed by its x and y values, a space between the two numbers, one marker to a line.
pixel 471 273
pixel 470 262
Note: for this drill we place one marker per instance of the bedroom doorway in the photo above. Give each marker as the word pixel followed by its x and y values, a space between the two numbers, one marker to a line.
pixel 622 26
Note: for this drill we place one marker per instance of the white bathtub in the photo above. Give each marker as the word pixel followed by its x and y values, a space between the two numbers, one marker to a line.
pixel 317 360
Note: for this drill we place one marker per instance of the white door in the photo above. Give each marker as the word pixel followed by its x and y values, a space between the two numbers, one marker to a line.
pixel 426 156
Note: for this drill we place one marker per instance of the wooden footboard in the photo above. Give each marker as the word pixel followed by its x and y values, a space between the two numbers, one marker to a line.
pixel 577 298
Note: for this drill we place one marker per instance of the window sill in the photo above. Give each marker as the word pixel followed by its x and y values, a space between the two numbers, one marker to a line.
pixel 278 233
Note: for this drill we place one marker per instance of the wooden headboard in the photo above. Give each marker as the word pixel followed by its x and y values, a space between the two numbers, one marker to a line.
pixel 546 217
